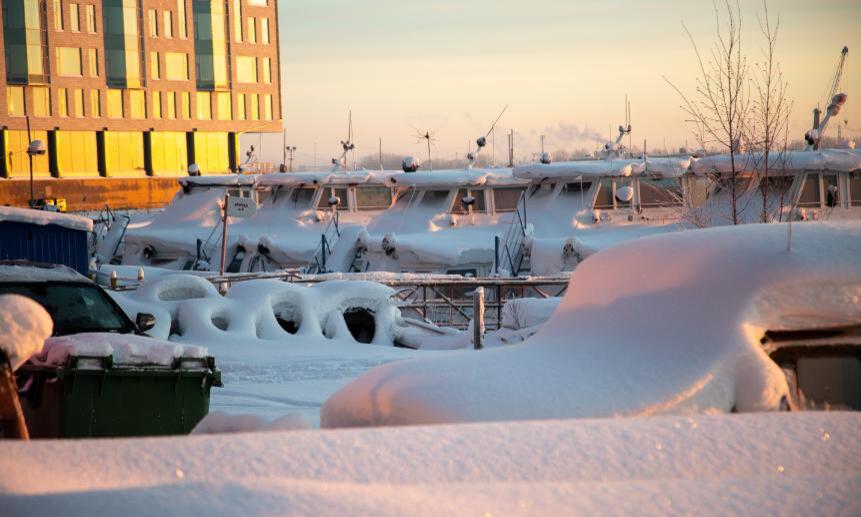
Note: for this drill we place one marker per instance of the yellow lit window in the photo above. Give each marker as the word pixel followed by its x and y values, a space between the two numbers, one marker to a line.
pixel 169 152
pixel 186 105
pixel 267 70
pixel 95 103
pixel 170 102
pixel 237 20
pixel 252 30
pixel 255 107
pixel 124 153
pixel 153 65
pixel 93 61
pixel 137 104
pixel 62 102
pixel 115 103
pixel 58 15
pixel 41 101
pixel 240 106
pixel 168 24
pixel 204 105
pixel 78 102
pixel 69 61
pixel 156 105
pixel 258 3
pixel 152 16
pixel 246 69
pixel 223 101
pixel 91 19
pixel 176 66
pixel 15 101
pixel 264 30
pixel 74 18
pixel 17 160
pixel 211 153
pixel 267 107
pixel 181 19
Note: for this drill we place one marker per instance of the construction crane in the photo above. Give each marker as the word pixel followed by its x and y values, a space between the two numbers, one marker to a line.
pixel 835 101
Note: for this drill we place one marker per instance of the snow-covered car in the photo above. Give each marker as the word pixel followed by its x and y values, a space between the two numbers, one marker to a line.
pixel 75 303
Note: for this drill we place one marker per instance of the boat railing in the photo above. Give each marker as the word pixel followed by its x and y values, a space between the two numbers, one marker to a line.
pixel 328 239
pixel 509 251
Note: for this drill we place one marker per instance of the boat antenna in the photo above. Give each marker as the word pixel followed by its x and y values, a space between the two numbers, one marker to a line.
pixel 482 141
pixel 347 146
pixel 430 138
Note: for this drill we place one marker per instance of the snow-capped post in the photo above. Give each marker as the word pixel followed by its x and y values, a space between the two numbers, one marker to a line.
pixel 141 274
pixel 115 281
pixel 477 317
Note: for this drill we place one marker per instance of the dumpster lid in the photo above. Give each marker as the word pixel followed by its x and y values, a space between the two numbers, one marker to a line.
pixel 42 218
pixel 123 349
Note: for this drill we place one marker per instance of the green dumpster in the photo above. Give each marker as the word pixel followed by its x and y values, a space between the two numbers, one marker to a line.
pixel 92 397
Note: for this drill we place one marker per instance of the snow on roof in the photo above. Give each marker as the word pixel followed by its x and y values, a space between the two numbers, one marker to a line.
pixel 779 463
pixel 844 160
pixel 225 180
pixel 668 166
pixel 662 324
pixel 325 178
pixel 440 178
pixel 23 271
pixel 43 218
pixel 578 169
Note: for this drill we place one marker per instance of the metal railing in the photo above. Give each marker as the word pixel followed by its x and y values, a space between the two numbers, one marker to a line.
pixel 328 239
pixel 509 252
pixel 211 245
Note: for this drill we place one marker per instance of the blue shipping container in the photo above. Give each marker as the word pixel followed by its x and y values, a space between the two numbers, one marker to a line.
pixel 50 244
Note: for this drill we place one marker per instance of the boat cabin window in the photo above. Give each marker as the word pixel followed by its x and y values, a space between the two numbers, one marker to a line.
pixel 660 192
pixel 436 199
pixel 576 188
pixel 479 207
pixel 855 188
pixel 810 192
pixel 822 376
pixel 302 196
pixel 605 194
pixel 373 198
pixel 323 202
pixel 832 197
pixel 505 199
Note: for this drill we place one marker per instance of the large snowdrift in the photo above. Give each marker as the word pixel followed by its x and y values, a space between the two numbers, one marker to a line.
pixel 765 464
pixel 43 218
pixel 664 324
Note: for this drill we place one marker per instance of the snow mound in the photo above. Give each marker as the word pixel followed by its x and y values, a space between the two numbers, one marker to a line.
pixel 24 326
pixel 663 324
pixel 190 309
pixel 764 464
pixel 219 422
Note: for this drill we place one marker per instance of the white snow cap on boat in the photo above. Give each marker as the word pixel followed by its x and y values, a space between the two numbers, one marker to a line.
pixel 843 160
pixel 224 180
pixel 324 178
pixel 667 166
pixel 663 324
pixel 43 218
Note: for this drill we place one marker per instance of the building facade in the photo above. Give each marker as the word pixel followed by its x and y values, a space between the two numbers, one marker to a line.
pixel 135 88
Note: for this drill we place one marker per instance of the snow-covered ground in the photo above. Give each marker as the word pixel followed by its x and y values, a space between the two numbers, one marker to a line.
pixel 760 464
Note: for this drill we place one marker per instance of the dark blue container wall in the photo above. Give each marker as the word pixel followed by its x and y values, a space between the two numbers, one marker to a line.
pixel 49 244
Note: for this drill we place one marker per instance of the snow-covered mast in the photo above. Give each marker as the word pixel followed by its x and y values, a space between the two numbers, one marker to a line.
pixel 835 102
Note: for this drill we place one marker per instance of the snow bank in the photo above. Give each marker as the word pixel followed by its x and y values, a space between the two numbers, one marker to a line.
pixel 666 324
pixel 764 464
pixel 24 326
pixel 28 272
pixel 524 313
pixel 218 422
pixel 43 218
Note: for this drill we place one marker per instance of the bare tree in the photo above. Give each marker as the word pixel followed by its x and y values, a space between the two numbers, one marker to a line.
pixel 720 107
pixel 771 108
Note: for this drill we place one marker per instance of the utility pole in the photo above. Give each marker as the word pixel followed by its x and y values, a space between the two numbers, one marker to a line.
pixel 290 149
pixel 542 145
pixel 284 145
pixel 29 148
pixel 381 153
pixel 511 149
pixel 315 156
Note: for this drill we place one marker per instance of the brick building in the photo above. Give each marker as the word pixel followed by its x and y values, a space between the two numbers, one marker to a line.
pixel 135 88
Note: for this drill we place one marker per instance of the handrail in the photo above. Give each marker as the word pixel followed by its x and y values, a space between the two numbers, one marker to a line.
pixel 328 239
pixel 512 243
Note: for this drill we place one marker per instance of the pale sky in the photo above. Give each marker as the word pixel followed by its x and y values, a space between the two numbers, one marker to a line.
pixel 562 66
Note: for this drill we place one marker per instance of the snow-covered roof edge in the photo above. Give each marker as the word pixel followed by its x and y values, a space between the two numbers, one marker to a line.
pixel 44 218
